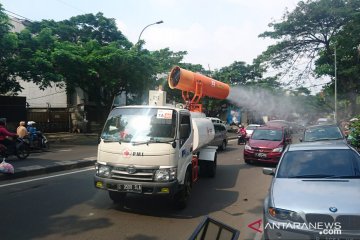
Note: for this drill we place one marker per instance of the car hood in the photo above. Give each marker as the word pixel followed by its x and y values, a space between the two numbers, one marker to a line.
pixel 264 143
pixel 316 195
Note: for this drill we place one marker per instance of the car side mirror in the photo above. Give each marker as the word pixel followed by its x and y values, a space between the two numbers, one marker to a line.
pixel 269 171
pixel 300 139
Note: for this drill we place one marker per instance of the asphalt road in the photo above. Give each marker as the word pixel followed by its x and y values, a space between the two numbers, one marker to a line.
pixel 66 205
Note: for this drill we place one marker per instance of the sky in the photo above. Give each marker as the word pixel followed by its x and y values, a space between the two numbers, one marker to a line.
pixel 215 33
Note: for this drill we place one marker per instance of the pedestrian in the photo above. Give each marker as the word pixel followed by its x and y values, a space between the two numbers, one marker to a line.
pixel 21 131
pixel 4 136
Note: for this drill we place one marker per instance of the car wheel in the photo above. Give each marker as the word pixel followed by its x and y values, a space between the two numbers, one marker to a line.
pixel 117 197
pixel 247 161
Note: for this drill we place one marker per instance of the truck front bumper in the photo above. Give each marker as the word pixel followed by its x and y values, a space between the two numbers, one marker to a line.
pixel 147 188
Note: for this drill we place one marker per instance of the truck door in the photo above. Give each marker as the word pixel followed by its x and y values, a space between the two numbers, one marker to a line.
pixel 185 142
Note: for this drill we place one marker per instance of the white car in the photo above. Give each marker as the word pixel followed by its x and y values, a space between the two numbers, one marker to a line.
pixel 215 120
pixel 250 129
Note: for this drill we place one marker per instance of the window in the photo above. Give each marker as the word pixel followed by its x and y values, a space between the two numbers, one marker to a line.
pixel 185 128
pixel 321 163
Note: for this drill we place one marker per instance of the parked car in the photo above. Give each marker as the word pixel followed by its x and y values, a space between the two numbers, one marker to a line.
pixel 322 132
pixel 250 129
pixel 215 120
pixel 324 121
pixel 266 144
pixel 220 138
pixel 316 184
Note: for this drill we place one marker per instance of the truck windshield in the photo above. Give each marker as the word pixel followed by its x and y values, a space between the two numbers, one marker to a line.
pixel 140 125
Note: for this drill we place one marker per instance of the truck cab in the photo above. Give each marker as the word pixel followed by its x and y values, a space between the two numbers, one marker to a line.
pixel 153 150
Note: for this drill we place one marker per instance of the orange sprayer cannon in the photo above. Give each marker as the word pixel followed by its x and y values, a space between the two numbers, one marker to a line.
pixel 197 84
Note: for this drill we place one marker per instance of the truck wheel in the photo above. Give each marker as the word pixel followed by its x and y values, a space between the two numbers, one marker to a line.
pixel 223 146
pixel 117 197
pixel 181 198
pixel 211 168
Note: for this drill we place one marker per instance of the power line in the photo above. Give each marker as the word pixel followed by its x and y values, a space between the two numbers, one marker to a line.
pixel 71 6
pixel 46 95
pixel 18 15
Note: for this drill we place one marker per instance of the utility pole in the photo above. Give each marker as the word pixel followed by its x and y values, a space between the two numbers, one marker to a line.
pixel 335 93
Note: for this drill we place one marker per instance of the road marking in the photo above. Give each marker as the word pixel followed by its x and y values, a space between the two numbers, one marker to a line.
pixel 64 150
pixel 42 178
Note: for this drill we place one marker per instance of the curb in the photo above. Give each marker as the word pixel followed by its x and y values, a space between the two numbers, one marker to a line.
pixel 38 170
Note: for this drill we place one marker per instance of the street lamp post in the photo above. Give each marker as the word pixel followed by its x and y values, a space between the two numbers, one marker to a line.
pixel 159 22
pixel 335 90
pixel 137 44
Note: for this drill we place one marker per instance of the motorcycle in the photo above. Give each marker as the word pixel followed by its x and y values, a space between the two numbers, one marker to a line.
pixel 39 141
pixel 21 149
pixel 242 137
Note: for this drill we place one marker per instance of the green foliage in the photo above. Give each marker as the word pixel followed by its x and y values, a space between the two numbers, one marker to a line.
pixel 354 134
pixel 311 32
pixel 88 52
pixel 8 46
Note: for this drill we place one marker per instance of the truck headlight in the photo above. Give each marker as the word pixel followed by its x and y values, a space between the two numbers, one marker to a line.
pixel 165 174
pixel 285 215
pixel 103 170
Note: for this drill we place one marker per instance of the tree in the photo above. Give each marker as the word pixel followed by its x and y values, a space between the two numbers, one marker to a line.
pixel 8 46
pixel 308 29
pixel 309 32
pixel 348 65
pixel 86 51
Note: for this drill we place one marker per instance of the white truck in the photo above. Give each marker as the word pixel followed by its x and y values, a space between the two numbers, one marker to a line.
pixel 154 150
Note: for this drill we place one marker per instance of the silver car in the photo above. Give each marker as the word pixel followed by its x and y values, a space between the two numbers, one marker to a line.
pixel 315 193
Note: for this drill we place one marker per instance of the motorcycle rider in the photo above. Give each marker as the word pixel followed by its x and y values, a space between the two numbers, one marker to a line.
pixel 21 131
pixel 32 132
pixel 242 134
pixel 4 134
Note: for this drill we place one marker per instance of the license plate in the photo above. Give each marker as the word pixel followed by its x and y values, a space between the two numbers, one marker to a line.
pixel 261 155
pixel 136 188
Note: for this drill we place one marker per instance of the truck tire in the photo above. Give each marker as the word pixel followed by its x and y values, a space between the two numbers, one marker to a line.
pixel 211 168
pixel 208 168
pixel 117 197
pixel 181 198
pixel 223 146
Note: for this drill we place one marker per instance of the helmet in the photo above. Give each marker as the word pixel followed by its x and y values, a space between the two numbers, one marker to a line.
pixel 30 123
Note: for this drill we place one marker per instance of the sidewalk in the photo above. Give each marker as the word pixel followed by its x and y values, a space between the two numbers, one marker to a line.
pixel 32 167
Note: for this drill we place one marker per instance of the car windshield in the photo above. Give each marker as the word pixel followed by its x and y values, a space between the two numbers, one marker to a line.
pixel 319 164
pixel 140 125
pixel 251 127
pixel 322 133
pixel 267 134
